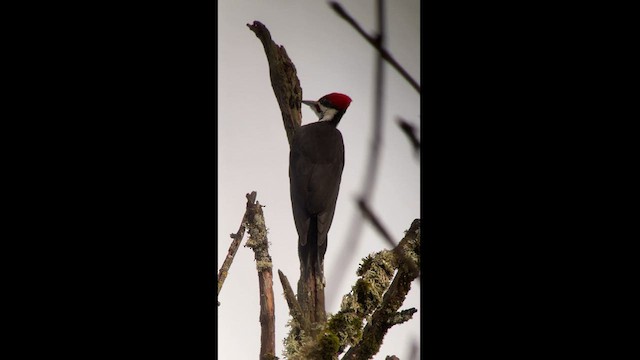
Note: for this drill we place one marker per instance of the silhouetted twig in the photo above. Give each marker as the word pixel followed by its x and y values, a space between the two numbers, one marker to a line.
pixel 377 45
pixel 378 110
pixel 409 130
pixel 370 177
pixel 375 222
pixel 369 215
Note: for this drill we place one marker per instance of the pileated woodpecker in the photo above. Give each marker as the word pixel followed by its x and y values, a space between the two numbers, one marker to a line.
pixel 316 161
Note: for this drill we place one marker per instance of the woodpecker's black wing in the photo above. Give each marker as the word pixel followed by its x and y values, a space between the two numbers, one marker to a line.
pixel 316 162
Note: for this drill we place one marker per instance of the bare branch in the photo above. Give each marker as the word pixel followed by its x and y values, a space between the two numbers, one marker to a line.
pixel 284 80
pixel 409 130
pixel 368 214
pixel 370 175
pixel 260 245
pixel 235 244
pixel 374 42
pixel 378 111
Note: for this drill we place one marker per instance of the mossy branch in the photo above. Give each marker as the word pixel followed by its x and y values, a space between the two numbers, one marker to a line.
pixel 387 315
pixel 259 243
pixel 374 300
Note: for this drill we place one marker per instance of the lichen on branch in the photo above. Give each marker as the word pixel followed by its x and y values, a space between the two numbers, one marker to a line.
pixel 259 243
pixel 387 315
pixel 370 308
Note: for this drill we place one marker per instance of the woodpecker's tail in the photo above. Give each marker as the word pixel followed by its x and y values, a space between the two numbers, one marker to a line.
pixel 308 253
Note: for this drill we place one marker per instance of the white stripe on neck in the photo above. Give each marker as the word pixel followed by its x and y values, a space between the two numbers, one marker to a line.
pixel 328 114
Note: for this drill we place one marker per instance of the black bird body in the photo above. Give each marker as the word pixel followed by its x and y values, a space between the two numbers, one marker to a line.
pixel 316 162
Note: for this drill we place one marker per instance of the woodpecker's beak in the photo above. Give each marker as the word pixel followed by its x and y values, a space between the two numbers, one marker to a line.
pixel 315 107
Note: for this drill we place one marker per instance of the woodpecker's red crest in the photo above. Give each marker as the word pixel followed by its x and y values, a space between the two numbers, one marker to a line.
pixel 330 107
pixel 336 100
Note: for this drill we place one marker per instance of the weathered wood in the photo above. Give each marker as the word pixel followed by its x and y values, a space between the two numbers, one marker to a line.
pixel 235 244
pixel 311 295
pixel 259 243
pixel 284 80
pixel 294 306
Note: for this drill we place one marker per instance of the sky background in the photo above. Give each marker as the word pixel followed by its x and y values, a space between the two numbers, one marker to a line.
pixel 253 152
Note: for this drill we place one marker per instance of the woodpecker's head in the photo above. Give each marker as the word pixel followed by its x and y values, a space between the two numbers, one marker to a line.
pixel 330 107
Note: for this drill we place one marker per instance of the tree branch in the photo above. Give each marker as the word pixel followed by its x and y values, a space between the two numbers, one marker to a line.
pixel 260 245
pixel 377 224
pixel 387 314
pixel 294 307
pixel 235 244
pixel 409 130
pixel 365 298
pixel 374 42
pixel 284 80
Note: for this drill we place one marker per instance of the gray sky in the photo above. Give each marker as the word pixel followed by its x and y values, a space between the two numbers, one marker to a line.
pixel 253 151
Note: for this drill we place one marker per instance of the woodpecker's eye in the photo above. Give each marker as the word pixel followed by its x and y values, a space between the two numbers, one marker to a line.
pixel 318 108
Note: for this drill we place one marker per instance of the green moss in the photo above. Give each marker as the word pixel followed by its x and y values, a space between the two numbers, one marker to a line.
pixel 365 266
pixel 327 346
pixel 362 290
pixel 337 322
pixel 370 346
pixel 347 326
